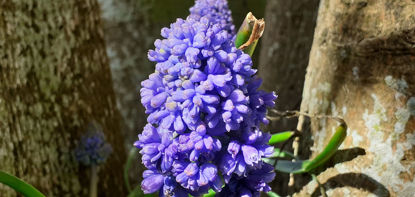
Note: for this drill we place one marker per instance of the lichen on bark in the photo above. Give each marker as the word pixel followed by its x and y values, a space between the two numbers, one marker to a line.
pixel 364 50
pixel 54 80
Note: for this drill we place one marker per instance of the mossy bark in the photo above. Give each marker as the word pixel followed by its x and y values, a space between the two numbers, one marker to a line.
pixel 54 80
pixel 362 68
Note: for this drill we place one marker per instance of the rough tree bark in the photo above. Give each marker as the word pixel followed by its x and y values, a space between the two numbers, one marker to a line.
pixel 362 68
pixel 54 80
pixel 286 45
pixel 129 34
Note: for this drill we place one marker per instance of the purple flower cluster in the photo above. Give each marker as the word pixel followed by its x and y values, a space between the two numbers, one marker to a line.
pixel 216 10
pixel 92 148
pixel 252 184
pixel 204 110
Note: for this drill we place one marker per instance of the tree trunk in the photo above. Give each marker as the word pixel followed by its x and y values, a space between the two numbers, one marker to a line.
pixel 283 60
pixel 362 68
pixel 54 80
pixel 284 55
pixel 128 35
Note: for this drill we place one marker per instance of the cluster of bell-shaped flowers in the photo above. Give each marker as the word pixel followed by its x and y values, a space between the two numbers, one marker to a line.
pixel 217 11
pixel 93 149
pixel 204 110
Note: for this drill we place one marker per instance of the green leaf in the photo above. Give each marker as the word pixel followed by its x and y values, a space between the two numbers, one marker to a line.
pixel 243 34
pixel 280 137
pixel 19 185
pixel 330 149
pixel 307 165
pixel 269 161
pixel 278 154
pixel 249 33
pixel 281 154
pixel 273 194
pixel 210 194
pixel 287 166
pixel 131 157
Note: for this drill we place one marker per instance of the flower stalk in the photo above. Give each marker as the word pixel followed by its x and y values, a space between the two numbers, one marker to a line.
pixel 92 151
pixel 93 191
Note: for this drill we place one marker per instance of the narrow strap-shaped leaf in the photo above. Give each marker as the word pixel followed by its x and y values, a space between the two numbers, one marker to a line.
pixel 244 31
pixel 19 185
pixel 210 194
pixel 281 154
pixel 284 154
pixel 273 194
pixel 280 137
pixel 278 154
pixel 287 166
pixel 329 150
pixel 296 167
pixel 249 33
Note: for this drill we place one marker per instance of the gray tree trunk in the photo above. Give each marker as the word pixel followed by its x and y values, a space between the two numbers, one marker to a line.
pixel 54 80
pixel 286 45
pixel 129 34
pixel 362 68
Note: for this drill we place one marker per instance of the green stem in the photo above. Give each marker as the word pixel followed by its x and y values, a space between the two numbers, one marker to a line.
pixel 280 137
pixel 329 150
pixel 19 185
pixel 93 192
pixel 273 194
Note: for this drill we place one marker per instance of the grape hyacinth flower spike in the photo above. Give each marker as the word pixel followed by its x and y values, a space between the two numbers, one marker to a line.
pixel 216 10
pixel 204 110
pixel 92 151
